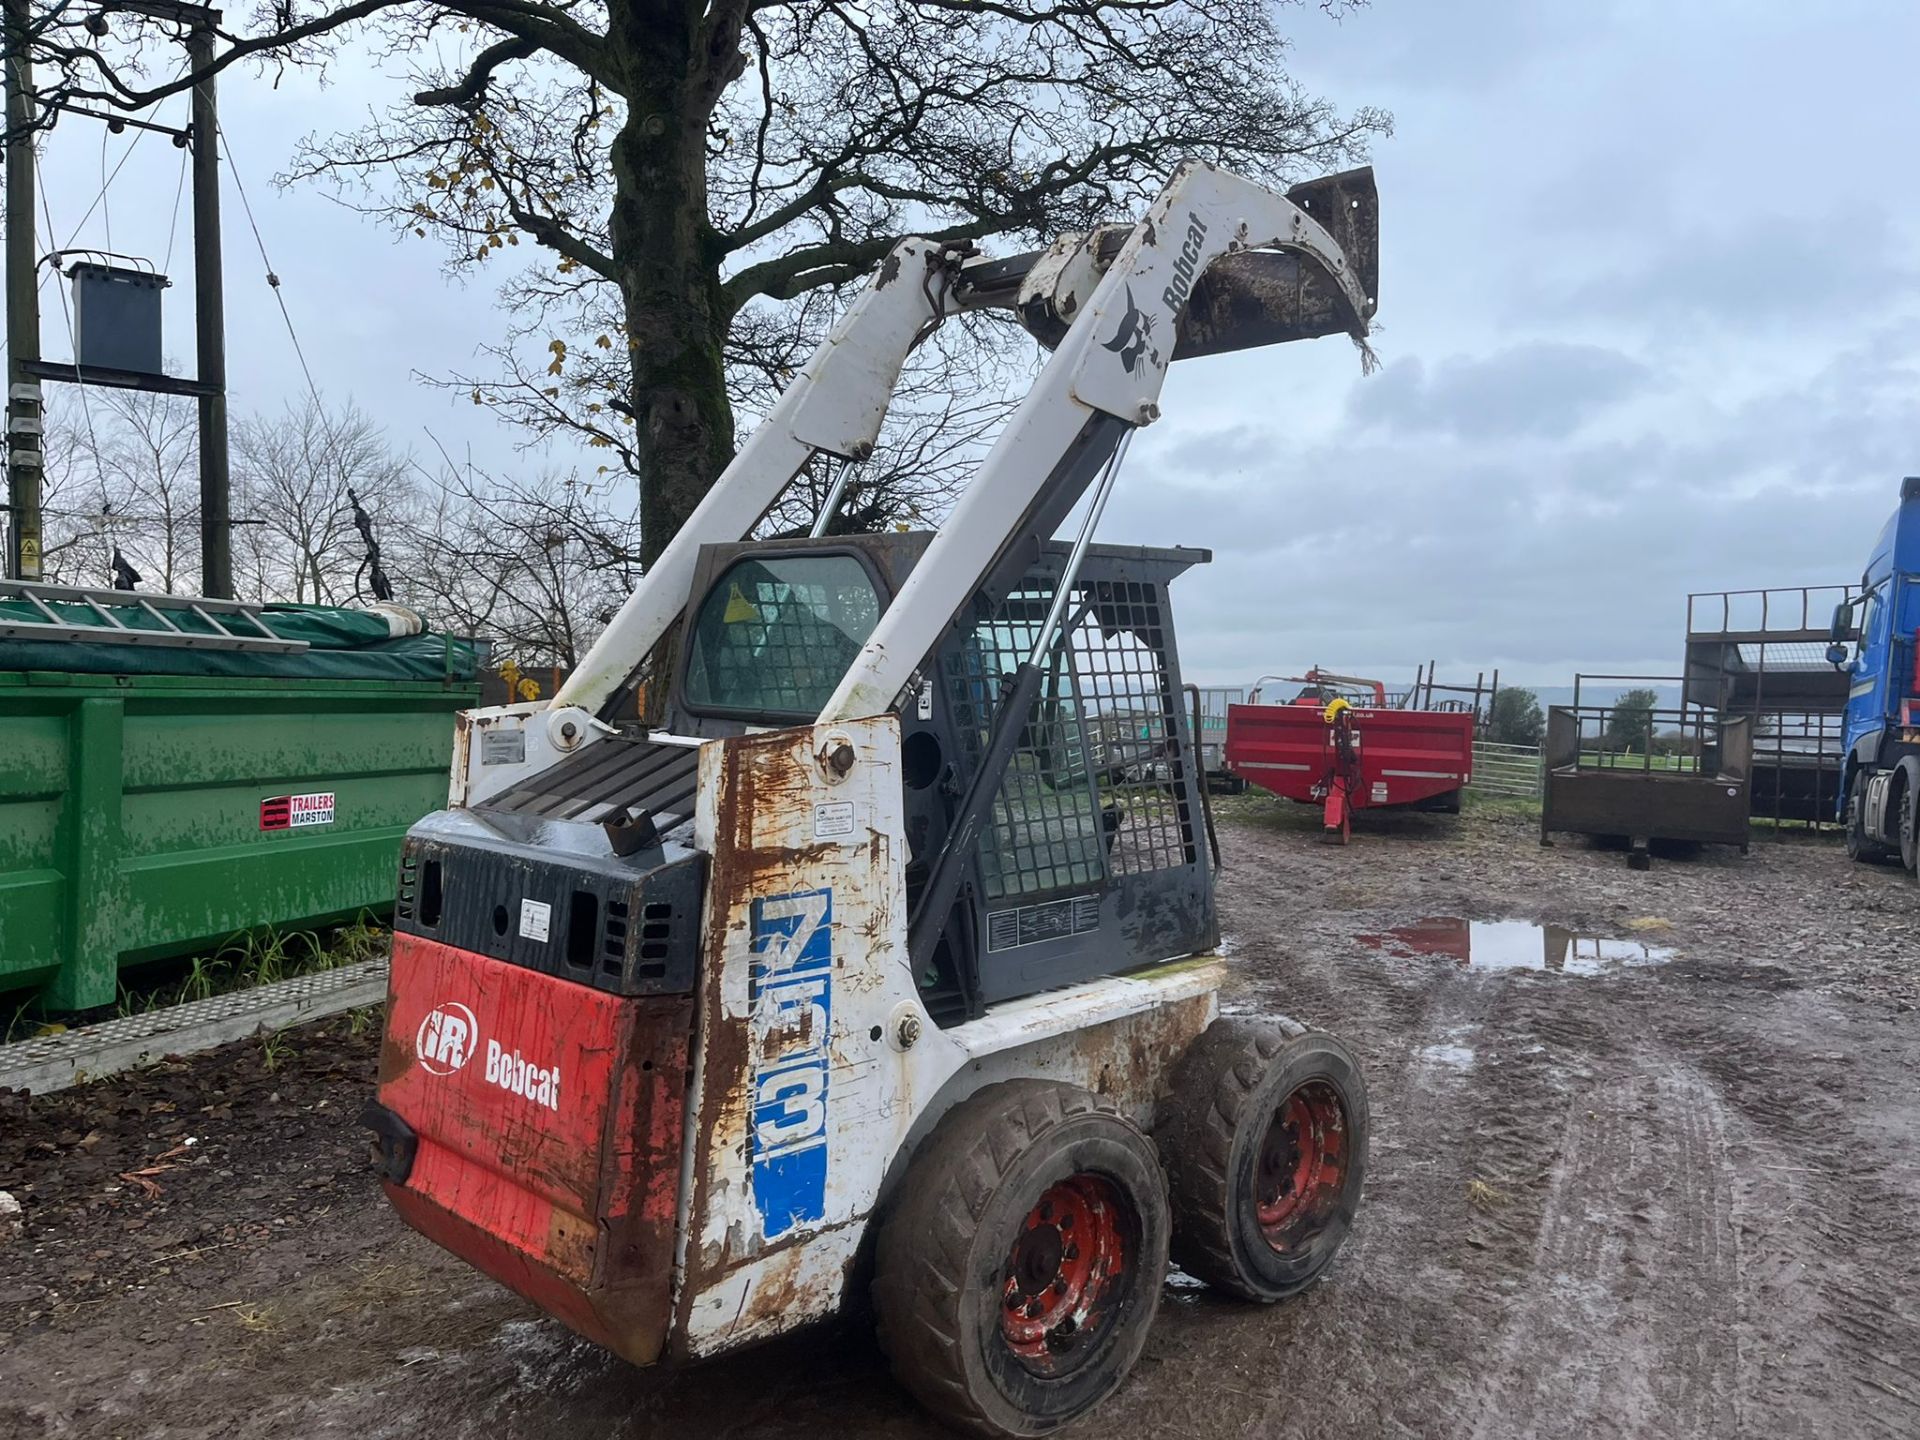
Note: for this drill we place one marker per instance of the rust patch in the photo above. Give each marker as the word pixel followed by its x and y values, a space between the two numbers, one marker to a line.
pixel 570 1243
pixel 462 748
pixel 396 1055
pixel 725 1053
pixel 783 1299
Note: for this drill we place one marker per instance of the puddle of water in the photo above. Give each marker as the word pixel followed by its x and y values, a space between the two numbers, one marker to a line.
pixel 1514 945
pixel 1456 1057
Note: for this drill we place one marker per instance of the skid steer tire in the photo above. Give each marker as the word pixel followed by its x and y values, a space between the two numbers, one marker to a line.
pixel 1265 1140
pixel 1020 1268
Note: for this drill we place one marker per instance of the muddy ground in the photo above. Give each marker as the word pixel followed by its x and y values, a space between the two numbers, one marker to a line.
pixel 1669 1199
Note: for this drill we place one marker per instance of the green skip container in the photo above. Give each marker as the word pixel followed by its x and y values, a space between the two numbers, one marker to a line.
pixel 148 813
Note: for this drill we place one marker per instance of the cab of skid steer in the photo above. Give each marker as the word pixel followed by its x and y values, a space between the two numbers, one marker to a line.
pixel 1093 858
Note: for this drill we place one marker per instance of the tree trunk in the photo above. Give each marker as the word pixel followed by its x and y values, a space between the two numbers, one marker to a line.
pixel 676 316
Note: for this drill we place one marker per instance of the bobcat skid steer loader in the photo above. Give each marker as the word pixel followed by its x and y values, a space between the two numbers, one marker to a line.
pixel 886 962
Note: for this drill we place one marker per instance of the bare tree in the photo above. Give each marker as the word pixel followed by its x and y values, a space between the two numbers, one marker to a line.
pixel 291 472
pixel 683 168
pixel 538 565
pixel 74 549
pixel 122 477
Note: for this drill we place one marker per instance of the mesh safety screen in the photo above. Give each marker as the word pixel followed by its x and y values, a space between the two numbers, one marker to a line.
pixel 1095 784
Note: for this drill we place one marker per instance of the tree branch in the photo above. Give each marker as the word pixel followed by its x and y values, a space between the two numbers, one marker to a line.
pixel 562 241
pixel 473 86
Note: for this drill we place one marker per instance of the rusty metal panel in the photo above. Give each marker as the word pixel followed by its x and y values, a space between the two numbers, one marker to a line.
pixel 817 1068
pixel 547 1122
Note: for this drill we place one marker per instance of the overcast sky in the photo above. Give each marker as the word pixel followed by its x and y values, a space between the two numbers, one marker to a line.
pixel 1647 312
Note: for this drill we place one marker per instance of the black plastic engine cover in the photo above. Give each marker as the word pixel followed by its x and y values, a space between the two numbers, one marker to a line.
pixel 552 896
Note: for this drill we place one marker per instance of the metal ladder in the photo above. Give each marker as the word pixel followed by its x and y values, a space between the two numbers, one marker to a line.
pixel 231 624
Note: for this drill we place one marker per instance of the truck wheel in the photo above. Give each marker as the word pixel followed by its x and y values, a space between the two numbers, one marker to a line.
pixel 1909 842
pixel 1265 1139
pixel 1018 1274
pixel 1860 845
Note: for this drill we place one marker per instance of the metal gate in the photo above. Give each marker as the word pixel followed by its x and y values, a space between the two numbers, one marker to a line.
pixel 1506 769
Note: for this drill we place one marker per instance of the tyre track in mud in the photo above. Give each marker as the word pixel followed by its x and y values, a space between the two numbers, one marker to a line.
pixel 1661 1147
pixel 1834 1237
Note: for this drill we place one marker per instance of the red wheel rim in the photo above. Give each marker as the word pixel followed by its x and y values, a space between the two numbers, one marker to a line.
pixel 1064 1273
pixel 1302 1164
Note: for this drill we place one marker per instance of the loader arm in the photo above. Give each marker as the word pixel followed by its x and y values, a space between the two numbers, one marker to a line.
pixel 835 405
pixel 1105 377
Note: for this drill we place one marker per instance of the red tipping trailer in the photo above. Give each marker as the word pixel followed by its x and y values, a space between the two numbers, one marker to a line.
pixel 1337 744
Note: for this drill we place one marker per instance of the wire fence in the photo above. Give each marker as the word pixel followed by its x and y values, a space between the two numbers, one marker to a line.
pixel 1506 769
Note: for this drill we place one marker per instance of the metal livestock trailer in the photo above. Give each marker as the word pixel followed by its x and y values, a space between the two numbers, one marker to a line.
pixel 1691 784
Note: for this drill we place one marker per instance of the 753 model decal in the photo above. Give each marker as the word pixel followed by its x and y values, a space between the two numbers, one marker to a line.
pixel 790 993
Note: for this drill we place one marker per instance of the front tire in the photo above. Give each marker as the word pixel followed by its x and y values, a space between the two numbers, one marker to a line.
pixel 1265 1141
pixel 1018 1275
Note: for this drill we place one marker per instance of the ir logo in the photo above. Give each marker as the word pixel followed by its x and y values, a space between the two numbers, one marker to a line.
pixel 447 1038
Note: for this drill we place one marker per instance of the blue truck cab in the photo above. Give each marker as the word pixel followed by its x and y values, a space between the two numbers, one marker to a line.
pixel 1880 794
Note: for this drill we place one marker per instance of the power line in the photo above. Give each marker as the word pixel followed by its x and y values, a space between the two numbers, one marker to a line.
pixel 273 279
pixel 173 224
pixel 106 210
pixel 73 343
pixel 98 200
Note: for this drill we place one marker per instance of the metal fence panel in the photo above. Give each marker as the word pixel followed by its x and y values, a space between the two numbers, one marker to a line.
pixel 1506 769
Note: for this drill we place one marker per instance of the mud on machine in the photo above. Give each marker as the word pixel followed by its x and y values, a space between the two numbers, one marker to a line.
pixel 886 961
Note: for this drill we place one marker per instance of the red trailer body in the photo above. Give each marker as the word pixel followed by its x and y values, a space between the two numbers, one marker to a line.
pixel 1346 758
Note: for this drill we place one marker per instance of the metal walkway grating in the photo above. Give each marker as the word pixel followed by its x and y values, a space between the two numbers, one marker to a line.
pixel 54 1062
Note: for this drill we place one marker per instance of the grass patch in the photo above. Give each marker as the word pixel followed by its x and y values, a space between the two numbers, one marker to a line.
pixel 255 957
pixel 1483 1196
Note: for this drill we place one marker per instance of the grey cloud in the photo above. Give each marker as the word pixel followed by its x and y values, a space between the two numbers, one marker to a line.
pixel 1458 47
pixel 1539 557
pixel 1768 271
pixel 1545 389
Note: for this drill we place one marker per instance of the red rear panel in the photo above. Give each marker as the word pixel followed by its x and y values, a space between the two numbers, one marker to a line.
pixel 1405 756
pixel 549 1118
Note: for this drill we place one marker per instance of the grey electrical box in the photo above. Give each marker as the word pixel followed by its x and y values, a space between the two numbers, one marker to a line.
pixel 116 317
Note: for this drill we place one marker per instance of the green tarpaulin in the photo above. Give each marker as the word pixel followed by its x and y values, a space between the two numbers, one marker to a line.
pixel 341 645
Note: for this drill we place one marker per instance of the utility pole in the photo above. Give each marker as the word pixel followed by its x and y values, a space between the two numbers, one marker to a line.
pixel 24 460
pixel 210 326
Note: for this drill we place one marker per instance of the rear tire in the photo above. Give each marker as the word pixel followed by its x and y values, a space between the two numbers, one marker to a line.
pixel 1019 1272
pixel 1265 1141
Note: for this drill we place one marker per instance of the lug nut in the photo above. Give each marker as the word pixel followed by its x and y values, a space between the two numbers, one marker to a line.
pixel 909 1031
pixel 840 758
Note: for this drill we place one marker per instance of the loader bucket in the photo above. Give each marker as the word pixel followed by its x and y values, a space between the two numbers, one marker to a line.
pixel 1262 297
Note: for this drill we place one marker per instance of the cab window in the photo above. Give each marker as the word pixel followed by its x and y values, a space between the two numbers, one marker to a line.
pixel 1872 631
pixel 775 634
